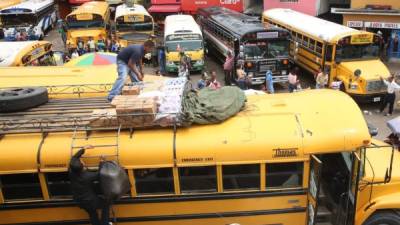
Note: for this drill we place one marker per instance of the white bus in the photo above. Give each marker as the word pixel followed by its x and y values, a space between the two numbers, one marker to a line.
pixel 29 19
pixel 182 33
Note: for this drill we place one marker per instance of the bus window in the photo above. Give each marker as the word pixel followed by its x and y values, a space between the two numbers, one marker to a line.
pixel 312 44
pixel 59 185
pixel 241 177
pixel 284 175
pixel 21 186
pixel 198 179
pixel 154 181
pixel 319 47
pixel 305 41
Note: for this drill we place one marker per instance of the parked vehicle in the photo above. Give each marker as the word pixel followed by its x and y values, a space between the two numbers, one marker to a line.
pixel 26 53
pixel 28 20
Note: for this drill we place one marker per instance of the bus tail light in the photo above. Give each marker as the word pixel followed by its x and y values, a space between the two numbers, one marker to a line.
pixel 249 64
pixel 285 62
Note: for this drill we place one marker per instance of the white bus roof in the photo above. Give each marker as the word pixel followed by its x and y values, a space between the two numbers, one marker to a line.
pixel 123 10
pixel 10 50
pixel 176 23
pixel 32 5
pixel 314 26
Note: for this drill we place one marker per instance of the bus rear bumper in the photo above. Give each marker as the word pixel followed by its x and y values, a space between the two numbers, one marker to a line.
pixel 368 98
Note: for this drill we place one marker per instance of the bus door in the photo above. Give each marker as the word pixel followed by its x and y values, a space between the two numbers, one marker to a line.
pixel 347 203
pixel 313 189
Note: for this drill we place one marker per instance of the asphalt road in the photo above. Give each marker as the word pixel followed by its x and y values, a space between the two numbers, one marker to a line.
pixel 369 110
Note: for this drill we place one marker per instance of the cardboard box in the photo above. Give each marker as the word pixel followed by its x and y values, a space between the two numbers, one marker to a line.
pixel 131 90
pixel 137 113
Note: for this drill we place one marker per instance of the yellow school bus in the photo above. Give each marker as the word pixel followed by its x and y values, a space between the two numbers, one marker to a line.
pixel 90 20
pixel 350 55
pixel 282 163
pixel 133 24
pixel 26 53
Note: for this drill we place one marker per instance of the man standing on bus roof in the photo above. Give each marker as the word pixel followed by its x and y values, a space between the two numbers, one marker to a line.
pixel 83 190
pixel 228 67
pixel 129 62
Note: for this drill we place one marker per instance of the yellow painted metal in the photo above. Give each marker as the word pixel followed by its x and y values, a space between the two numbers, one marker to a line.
pixel 220 181
pixel 133 183
pixel 177 187
pixel 262 176
pixel 43 186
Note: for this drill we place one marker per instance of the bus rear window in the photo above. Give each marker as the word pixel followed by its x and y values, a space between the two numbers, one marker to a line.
pixel 284 175
pixel 21 186
pixel 198 179
pixel 241 177
pixel 154 181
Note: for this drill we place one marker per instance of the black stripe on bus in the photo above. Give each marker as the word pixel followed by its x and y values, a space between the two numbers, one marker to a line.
pixel 159 199
pixel 179 217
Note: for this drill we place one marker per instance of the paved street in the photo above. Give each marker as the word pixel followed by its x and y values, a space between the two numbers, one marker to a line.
pixel 378 120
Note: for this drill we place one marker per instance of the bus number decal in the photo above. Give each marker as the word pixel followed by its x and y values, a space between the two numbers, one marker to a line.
pixel 285 153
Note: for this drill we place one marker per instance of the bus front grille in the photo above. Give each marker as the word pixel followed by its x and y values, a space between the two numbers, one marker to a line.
pixel 375 86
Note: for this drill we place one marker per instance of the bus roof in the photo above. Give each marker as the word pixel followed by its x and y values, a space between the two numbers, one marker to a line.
pixel 268 123
pixel 92 7
pixel 31 6
pixel 8 3
pixel 315 27
pixel 178 23
pixel 10 50
pixel 231 20
pixel 123 10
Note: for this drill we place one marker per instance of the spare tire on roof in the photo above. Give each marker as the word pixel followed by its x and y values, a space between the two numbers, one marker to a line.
pixel 17 99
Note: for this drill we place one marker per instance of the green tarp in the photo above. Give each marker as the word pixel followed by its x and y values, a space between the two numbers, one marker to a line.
pixel 209 106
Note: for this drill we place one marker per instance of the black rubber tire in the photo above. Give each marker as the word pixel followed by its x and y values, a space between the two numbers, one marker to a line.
pixel 17 99
pixel 383 218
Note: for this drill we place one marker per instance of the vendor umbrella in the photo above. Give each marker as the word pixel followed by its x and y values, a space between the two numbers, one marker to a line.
pixel 90 59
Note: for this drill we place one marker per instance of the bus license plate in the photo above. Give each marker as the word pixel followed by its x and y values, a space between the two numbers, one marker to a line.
pixel 377 99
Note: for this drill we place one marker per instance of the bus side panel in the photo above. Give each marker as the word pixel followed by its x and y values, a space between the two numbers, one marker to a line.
pixel 305 58
pixel 254 210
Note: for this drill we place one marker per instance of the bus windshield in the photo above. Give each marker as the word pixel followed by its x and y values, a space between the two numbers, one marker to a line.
pixel 86 24
pixel 18 20
pixel 354 52
pixel 134 26
pixel 266 49
pixel 194 45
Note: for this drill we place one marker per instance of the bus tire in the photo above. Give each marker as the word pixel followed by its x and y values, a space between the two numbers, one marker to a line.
pixel 17 99
pixel 385 217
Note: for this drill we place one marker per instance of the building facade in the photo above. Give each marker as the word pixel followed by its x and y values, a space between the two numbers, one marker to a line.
pixel 377 16
pixel 310 7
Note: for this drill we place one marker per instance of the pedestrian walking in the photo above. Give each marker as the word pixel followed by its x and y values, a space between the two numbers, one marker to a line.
pixel 161 59
pixel 214 83
pixel 80 46
pixel 321 80
pixel 83 189
pixel 91 45
pixel 390 95
pixel 241 77
pixel 129 62
pixel 228 67
pixel 269 84
pixel 62 30
pixel 293 80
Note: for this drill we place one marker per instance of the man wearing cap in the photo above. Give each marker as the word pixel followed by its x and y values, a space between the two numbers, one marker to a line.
pixel 129 62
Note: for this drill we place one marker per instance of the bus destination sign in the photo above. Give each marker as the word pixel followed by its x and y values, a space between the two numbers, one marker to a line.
pixel 267 35
pixel 361 38
pixel 183 37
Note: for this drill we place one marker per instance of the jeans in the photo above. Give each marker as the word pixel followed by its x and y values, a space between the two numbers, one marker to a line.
pixel 123 71
pixel 91 208
pixel 292 87
pixel 228 77
pixel 389 99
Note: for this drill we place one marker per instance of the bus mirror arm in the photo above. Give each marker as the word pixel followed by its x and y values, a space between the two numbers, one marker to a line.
pixel 388 175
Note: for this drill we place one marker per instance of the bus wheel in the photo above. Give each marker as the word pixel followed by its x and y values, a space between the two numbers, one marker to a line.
pixel 17 99
pixel 383 218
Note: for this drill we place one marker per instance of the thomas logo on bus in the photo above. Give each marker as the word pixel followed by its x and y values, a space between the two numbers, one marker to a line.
pixel 361 39
pixel 284 153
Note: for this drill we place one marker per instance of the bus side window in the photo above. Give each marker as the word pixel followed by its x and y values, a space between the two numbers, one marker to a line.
pixel 319 47
pixel 198 179
pixel 59 185
pixel 241 177
pixel 284 175
pixel 328 53
pixel 21 186
pixel 312 44
pixel 154 181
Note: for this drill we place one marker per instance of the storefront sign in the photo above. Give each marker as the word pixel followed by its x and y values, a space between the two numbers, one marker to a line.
pixel 382 25
pixel 193 5
pixel 361 38
pixel 355 23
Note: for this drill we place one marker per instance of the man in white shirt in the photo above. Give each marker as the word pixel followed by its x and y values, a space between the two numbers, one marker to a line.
pixel 390 96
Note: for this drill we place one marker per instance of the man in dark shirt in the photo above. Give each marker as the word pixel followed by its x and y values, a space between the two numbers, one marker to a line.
pixel 83 190
pixel 129 62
